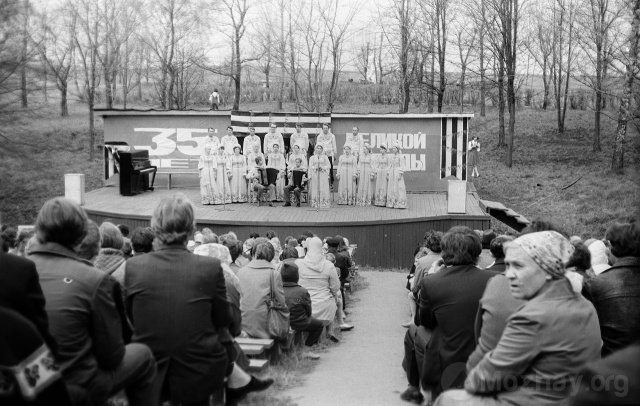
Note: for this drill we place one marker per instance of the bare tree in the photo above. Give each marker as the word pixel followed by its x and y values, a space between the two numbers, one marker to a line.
pixel 596 22
pixel 563 46
pixel 26 11
pixel 466 44
pixel 56 49
pixel 624 113
pixel 363 59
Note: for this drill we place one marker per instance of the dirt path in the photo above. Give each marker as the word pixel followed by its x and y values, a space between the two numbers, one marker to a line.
pixel 365 368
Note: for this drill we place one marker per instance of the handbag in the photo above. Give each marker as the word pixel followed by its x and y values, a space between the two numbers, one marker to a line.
pixel 277 315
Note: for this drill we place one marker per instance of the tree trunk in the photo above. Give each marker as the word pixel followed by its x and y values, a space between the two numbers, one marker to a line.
pixel 64 109
pixel 432 81
pixel 23 56
pixel 482 73
pixel 237 78
pixel 501 103
pixel 598 102
pixel 624 113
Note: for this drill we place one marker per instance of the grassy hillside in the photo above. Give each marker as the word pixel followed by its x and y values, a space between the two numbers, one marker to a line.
pixel 32 170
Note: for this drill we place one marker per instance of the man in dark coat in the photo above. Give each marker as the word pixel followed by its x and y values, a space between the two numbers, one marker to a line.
pixel 20 290
pixel 298 301
pixel 615 293
pixel 447 309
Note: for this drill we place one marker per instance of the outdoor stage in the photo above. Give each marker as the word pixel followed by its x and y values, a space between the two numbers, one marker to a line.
pixel 385 237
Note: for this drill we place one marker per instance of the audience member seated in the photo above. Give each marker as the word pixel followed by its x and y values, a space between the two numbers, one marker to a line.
pixel 179 307
pixel 299 303
pixel 580 261
pixel 319 277
pixel 289 252
pixel 20 291
pixel 431 243
pixel 613 380
pixel 485 258
pixel 420 253
pixel 339 301
pixel 301 246
pixel 142 240
pixel 343 262
pixel 9 238
pixel 124 230
pixel 497 253
pixel 548 339
pixel 23 239
pixel 82 313
pixel 443 332
pixel 110 256
pixel 615 293
pixel 599 256
pixel 496 306
pixel 89 248
pixel 29 374
pixel 235 250
pixel 257 279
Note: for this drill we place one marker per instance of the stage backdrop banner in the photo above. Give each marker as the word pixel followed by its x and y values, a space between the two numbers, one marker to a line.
pixel 433 146
pixel 174 139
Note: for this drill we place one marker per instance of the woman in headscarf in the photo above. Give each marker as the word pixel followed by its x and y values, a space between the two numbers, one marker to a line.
pixel 347 175
pixel 208 167
pixel 320 278
pixel 382 177
pixel 396 190
pixel 223 172
pixel 548 339
pixel 238 184
pixel 319 167
pixel 110 256
pixel 366 178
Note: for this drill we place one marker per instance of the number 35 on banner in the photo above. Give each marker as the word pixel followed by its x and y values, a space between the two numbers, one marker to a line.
pixel 162 144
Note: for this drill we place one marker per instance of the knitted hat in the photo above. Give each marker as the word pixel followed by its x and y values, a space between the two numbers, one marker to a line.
pixel 289 271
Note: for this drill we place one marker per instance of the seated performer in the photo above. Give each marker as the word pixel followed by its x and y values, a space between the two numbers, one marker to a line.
pixel 276 160
pixel 259 181
pixel 293 186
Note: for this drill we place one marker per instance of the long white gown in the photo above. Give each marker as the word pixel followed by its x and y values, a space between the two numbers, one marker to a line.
pixel 319 196
pixel 366 180
pixel 238 178
pixel 208 169
pixel 382 171
pixel 396 190
pixel 347 187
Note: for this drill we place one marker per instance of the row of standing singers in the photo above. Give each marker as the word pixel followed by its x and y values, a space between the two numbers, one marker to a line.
pixel 363 179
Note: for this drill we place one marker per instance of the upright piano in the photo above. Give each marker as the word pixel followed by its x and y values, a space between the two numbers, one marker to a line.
pixel 135 169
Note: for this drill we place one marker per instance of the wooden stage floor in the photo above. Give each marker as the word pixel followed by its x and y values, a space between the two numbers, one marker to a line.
pixel 385 237
pixel 107 201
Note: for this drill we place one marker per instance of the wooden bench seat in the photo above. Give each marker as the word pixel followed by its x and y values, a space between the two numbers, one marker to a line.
pixel 258 365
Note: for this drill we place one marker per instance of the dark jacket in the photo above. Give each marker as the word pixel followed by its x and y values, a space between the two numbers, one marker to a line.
pixel 82 313
pixel 343 261
pixel 20 290
pixel 615 293
pixel 448 305
pixel 178 305
pixel 498 266
pixel 298 301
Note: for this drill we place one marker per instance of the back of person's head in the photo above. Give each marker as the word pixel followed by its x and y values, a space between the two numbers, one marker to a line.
pixel 210 238
pixel 332 242
pixel 235 248
pixel 432 241
pixel 581 257
pixel 224 238
pixel 497 245
pixel 232 234
pixel 263 250
pixel 288 252
pixel 543 225
pixel 111 236
pixel 293 242
pixel 330 257
pixel 173 220
pixel 487 236
pixel 307 233
pixel 254 235
pixel 61 221
pixel 301 238
pixel 289 272
pixel 270 234
pixel 422 252
pixel 124 229
pixel 460 246
pixel 142 240
pixel 624 238
pixel 342 245
pixel 9 238
pixel 207 230
pixel 23 237
pixel 91 243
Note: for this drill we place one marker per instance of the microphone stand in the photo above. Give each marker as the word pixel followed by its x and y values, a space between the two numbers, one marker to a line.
pixel 224 191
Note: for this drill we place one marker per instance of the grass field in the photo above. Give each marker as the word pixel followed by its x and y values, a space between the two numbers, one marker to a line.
pixel 50 146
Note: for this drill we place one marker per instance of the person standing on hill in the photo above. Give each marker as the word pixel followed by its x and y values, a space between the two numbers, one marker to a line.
pixel 474 156
pixel 214 99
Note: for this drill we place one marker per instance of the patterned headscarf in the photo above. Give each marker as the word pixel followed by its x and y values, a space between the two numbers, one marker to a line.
pixel 549 249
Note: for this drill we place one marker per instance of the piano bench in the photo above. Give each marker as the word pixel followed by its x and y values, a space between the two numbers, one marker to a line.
pixel 176 173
